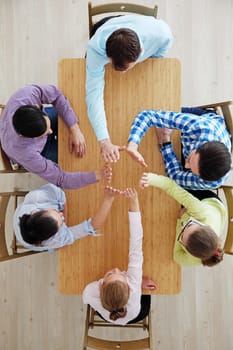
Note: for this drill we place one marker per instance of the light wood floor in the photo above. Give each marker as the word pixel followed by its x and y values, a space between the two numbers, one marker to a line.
pixel 34 36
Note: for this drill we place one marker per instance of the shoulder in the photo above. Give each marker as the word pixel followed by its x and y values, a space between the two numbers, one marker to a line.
pixel 91 292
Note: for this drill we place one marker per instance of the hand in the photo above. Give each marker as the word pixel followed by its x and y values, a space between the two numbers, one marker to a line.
pixel 132 196
pixel 111 192
pixel 110 152
pixel 77 141
pixel 104 174
pixel 164 135
pixel 144 181
pixel 148 284
pixel 134 154
pixel 182 211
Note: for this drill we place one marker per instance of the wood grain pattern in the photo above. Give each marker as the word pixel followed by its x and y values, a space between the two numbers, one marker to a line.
pixel 153 84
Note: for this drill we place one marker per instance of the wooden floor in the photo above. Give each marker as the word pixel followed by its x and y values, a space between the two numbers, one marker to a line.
pixel 34 36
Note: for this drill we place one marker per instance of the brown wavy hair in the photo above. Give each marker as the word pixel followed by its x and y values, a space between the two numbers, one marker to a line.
pixel 204 244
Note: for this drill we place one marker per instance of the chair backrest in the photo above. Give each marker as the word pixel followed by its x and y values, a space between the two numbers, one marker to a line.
pixel 93 320
pixel 228 245
pixel 9 246
pixel 119 7
pixel 5 164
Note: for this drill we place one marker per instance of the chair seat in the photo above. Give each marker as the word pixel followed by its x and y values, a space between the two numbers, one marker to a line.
pixel 102 344
pixel 93 320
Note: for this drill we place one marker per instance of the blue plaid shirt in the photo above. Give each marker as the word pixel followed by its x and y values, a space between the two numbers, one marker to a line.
pixel 195 131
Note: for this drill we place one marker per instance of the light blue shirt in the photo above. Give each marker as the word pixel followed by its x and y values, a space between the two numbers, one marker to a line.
pixel 155 40
pixel 50 196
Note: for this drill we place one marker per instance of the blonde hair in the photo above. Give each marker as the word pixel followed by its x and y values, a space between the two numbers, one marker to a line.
pixel 114 296
pixel 203 243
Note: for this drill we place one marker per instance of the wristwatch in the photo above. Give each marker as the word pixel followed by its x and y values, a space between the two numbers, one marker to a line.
pixel 164 144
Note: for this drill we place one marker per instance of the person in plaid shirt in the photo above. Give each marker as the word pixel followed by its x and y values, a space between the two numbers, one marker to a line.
pixel 206 146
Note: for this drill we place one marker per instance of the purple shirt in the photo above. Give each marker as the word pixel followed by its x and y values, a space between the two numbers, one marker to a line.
pixel 27 151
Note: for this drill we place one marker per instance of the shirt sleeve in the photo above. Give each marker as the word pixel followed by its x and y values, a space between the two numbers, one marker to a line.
pixel 134 272
pixel 164 48
pixel 82 230
pixel 159 119
pixel 54 174
pixel 95 71
pixel 184 177
pixel 194 206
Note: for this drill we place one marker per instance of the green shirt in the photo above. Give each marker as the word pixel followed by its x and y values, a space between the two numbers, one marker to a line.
pixel 209 211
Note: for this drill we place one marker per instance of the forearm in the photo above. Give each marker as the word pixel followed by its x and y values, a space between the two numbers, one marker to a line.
pixel 175 191
pixel 153 118
pixel 101 214
pixel 135 246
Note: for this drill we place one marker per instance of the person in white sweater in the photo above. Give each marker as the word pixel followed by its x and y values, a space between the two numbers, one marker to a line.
pixel 117 296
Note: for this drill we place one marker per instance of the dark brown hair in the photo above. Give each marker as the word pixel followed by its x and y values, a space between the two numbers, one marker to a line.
pixel 123 47
pixel 37 227
pixel 29 121
pixel 203 243
pixel 114 296
pixel 215 160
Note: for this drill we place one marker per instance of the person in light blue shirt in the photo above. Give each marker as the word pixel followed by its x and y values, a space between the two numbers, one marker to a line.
pixel 122 41
pixel 39 222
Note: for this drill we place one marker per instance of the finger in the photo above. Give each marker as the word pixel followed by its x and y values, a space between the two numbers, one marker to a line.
pixel 142 162
pixel 112 157
pixel 107 158
pixel 82 149
pixel 121 148
pixel 116 155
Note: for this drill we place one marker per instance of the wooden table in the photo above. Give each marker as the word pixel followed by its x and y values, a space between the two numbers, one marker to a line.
pixel 153 84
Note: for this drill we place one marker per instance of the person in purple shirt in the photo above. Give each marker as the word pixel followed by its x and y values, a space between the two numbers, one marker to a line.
pixel 24 131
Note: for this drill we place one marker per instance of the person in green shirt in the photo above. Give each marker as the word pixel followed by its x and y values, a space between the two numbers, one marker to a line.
pixel 201 223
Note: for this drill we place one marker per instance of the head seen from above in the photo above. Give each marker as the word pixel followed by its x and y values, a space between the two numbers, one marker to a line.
pixel 211 161
pixel 114 293
pixel 123 49
pixel 30 121
pixel 40 225
pixel 201 241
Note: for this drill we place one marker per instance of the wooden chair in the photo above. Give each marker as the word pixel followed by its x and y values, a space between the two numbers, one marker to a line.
pixel 5 164
pixel 93 320
pixel 228 245
pixel 117 8
pixel 9 246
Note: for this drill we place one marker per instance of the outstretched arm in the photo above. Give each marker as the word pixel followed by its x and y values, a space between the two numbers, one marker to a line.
pixel 89 227
pixel 104 208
